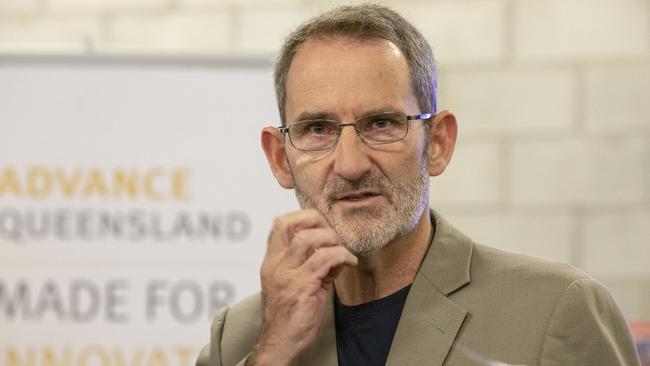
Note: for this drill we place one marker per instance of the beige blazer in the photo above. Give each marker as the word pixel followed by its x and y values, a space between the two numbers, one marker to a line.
pixel 470 305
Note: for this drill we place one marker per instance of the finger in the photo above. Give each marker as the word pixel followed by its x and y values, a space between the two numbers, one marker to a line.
pixel 332 274
pixel 327 258
pixel 305 242
pixel 286 226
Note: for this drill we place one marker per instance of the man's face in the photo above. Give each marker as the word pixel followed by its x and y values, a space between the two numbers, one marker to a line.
pixel 370 194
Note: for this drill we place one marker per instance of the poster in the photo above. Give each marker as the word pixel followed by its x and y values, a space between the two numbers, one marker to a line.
pixel 135 201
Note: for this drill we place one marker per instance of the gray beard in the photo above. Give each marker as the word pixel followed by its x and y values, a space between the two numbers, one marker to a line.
pixel 370 229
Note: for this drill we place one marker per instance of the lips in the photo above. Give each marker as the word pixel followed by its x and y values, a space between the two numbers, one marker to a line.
pixel 356 195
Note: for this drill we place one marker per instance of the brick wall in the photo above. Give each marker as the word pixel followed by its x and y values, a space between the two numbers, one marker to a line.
pixel 552 96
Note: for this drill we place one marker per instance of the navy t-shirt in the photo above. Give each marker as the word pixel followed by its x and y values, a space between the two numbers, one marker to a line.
pixel 365 332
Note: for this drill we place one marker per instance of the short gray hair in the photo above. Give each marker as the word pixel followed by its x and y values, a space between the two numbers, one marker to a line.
pixel 364 22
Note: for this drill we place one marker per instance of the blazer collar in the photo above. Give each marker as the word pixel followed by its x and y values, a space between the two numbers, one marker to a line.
pixel 446 264
pixel 430 321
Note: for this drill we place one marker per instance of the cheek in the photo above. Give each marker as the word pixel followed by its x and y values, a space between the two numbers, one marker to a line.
pixel 301 161
pixel 418 154
pixel 310 173
pixel 396 161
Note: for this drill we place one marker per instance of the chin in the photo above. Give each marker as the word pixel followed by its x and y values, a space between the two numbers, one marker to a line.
pixel 365 239
pixel 362 251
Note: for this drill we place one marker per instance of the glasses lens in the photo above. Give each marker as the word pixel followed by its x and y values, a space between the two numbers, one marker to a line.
pixel 383 128
pixel 314 134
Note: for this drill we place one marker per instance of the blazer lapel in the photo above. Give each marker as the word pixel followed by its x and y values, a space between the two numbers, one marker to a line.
pixel 430 321
pixel 426 330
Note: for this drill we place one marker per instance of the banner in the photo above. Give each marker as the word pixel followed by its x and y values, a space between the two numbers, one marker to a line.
pixel 135 201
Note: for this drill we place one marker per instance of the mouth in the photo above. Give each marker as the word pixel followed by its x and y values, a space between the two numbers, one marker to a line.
pixel 357 196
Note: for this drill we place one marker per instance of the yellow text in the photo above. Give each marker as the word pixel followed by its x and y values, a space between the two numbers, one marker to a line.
pixel 42 182
pixel 97 355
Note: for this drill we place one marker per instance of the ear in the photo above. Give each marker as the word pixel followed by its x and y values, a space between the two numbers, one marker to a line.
pixel 442 138
pixel 273 145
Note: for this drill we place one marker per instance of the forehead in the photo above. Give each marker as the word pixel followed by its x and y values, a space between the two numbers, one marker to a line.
pixel 346 78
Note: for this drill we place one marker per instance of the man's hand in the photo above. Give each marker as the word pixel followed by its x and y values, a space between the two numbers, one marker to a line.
pixel 303 256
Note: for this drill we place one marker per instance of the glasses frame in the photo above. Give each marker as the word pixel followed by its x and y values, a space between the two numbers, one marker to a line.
pixel 416 117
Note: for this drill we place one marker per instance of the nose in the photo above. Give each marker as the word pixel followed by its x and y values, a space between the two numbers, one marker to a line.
pixel 351 160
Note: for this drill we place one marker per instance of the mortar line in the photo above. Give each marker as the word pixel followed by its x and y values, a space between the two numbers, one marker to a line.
pixel 576 238
pixel 509 33
pixel 235 37
pixel 579 125
pixel 505 149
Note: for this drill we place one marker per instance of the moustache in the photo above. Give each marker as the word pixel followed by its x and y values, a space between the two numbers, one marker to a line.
pixel 343 186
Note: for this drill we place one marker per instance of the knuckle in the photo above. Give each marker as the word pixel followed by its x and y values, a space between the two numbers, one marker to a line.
pixel 299 239
pixel 302 240
pixel 278 223
pixel 314 261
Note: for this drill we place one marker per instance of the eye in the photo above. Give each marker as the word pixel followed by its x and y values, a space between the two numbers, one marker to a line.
pixel 312 129
pixel 383 128
pixel 319 128
pixel 381 123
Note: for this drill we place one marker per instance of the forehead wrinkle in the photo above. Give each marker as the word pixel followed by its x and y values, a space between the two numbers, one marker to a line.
pixel 343 102
pixel 318 82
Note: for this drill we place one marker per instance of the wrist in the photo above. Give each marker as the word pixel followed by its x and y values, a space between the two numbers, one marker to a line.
pixel 267 355
pixel 266 359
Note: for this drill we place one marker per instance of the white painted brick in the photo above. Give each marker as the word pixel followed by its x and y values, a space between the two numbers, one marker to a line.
pixel 545 235
pixel 207 4
pixel 519 101
pixel 262 29
pixel 17 7
pixel 171 33
pixel 580 28
pixel 460 31
pixel 327 4
pixel 472 178
pixel 633 296
pixel 580 172
pixel 56 6
pixel 617 99
pixel 617 243
pixel 52 34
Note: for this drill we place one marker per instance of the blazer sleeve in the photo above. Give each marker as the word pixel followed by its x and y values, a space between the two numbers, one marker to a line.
pixel 211 354
pixel 588 328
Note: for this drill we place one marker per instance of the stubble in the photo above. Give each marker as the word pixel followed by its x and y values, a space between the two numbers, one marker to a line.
pixel 364 231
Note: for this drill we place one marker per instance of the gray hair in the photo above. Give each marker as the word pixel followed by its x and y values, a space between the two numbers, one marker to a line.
pixel 364 22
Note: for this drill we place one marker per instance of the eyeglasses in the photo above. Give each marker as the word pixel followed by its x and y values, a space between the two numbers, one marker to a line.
pixel 376 129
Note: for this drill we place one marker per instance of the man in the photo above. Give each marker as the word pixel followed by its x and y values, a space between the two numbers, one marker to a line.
pixel 365 273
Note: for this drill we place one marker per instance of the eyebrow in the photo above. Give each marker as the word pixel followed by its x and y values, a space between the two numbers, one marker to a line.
pixel 306 115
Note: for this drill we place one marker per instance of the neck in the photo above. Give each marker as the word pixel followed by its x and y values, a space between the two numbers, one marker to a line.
pixel 391 268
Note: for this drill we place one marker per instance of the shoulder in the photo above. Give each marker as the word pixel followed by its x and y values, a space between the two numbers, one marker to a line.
pixel 234 333
pixel 239 324
pixel 498 264
pixel 536 280
pixel 511 285
pixel 588 327
pixel 538 283
pixel 570 317
pixel 243 316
